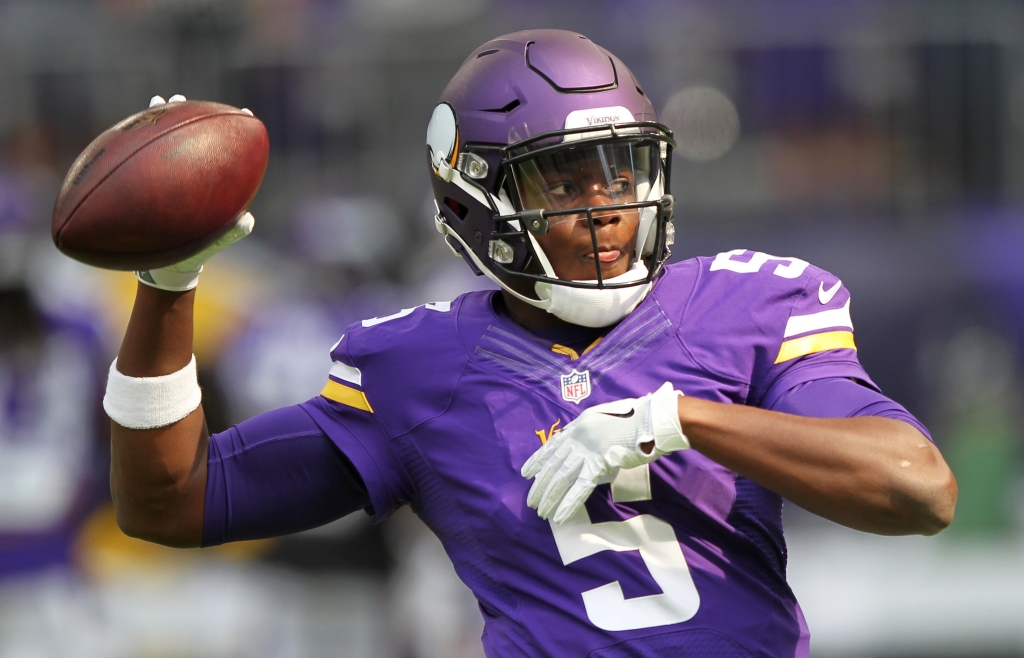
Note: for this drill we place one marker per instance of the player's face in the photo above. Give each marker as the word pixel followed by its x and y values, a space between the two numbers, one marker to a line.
pixel 586 177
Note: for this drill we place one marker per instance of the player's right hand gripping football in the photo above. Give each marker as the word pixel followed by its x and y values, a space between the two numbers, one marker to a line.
pixel 602 440
pixel 184 275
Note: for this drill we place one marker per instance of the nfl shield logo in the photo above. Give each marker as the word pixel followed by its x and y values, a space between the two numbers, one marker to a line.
pixel 576 386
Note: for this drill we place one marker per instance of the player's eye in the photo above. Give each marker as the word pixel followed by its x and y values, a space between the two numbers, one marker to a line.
pixel 618 186
pixel 563 192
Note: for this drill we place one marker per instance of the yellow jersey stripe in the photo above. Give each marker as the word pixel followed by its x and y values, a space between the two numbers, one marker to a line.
pixel 346 395
pixel 594 344
pixel 830 340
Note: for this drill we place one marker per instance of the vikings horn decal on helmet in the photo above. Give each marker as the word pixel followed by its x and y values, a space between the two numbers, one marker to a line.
pixel 519 108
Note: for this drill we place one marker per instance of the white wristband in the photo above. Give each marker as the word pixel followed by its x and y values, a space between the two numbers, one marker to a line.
pixel 142 403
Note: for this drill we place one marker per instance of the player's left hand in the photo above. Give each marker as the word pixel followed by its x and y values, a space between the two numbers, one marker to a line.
pixel 603 439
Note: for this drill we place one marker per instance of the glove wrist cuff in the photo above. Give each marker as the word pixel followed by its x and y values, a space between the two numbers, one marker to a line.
pixel 167 279
pixel 668 431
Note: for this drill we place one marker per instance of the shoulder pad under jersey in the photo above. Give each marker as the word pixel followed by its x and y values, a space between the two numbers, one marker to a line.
pixel 752 316
pixel 402 367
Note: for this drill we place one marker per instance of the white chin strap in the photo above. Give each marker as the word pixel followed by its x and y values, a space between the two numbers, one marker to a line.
pixel 593 307
pixel 589 307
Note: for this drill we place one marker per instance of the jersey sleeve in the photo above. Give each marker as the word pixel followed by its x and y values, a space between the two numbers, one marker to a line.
pixel 276 474
pixel 816 341
pixel 350 419
pixel 839 398
pixel 772 323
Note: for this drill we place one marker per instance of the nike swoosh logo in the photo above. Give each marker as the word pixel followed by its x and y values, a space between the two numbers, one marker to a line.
pixel 825 296
pixel 626 415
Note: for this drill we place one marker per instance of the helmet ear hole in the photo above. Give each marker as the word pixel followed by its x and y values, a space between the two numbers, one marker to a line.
pixel 460 210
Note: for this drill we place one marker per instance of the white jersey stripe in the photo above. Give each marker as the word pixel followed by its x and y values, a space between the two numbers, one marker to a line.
pixel 346 373
pixel 801 324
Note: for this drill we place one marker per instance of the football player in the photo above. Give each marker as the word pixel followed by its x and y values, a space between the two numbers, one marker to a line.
pixel 603 445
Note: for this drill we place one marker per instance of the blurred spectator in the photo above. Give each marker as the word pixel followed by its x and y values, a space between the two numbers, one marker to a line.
pixel 51 425
pixel 360 233
pixel 53 461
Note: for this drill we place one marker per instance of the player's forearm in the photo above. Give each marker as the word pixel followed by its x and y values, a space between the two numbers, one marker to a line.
pixel 872 474
pixel 158 476
pixel 158 340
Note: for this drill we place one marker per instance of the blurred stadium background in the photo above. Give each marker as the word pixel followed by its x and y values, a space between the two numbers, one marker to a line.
pixel 883 141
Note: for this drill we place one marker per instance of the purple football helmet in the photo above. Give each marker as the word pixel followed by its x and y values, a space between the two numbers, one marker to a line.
pixel 531 103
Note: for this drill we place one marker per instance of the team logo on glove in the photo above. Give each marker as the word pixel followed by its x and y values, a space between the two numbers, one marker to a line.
pixel 576 386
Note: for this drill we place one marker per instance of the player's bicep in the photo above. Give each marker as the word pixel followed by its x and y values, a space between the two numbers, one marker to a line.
pixel 276 474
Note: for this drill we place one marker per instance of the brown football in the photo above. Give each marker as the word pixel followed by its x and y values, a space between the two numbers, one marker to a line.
pixel 160 186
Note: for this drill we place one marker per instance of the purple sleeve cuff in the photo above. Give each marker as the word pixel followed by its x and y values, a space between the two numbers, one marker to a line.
pixel 835 364
pixel 837 397
pixel 276 474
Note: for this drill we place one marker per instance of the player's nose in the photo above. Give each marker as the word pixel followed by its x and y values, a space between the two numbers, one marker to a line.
pixel 596 197
pixel 605 217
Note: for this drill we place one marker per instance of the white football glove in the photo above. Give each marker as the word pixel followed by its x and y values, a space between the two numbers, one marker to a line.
pixel 185 275
pixel 603 439
pixel 159 100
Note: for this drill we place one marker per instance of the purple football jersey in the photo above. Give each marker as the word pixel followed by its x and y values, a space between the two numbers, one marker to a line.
pixel 440 406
